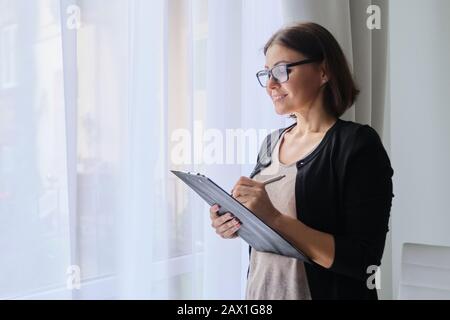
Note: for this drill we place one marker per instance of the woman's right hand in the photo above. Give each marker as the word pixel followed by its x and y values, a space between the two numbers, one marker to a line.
pixel 226 225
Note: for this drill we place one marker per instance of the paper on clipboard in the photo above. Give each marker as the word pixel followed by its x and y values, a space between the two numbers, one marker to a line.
pixel 253 230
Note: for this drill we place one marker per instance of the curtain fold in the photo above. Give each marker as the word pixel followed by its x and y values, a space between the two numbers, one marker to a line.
pixel 34 215
pixel 223 111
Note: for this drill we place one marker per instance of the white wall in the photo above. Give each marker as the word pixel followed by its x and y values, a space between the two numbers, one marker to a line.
pixel 420 132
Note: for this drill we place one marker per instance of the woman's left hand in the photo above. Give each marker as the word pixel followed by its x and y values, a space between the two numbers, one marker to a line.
pixel 253 195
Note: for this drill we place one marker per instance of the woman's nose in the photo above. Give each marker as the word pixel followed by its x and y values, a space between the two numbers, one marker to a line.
pixel 272 83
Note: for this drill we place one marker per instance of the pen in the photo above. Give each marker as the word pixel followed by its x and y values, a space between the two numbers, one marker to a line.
pixel 273 179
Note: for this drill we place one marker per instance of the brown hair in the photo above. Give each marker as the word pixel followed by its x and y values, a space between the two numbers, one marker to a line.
pixel 314 41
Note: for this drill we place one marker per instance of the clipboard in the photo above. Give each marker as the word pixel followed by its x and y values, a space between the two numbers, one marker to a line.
pixel 253 230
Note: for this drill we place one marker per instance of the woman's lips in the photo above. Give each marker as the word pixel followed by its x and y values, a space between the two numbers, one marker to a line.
pixel 276 98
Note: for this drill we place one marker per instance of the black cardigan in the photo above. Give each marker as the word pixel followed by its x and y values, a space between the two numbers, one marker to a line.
pixel 344 187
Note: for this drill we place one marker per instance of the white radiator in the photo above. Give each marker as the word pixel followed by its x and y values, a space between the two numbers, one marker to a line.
pixel 425 272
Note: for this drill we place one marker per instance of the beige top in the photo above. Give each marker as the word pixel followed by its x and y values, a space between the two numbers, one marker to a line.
pixel 272 276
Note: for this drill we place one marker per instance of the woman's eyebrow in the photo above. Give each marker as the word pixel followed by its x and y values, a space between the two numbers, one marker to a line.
pixel 282 61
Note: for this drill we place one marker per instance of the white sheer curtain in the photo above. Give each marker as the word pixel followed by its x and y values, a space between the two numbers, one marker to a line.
pixel 91 94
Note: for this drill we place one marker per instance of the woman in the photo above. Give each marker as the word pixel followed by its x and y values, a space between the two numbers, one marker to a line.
pixel 334 202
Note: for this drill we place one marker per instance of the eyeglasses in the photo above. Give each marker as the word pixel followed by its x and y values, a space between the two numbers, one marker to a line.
pixel 280 73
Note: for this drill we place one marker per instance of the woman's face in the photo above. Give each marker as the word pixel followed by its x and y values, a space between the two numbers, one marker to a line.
pixel 303 86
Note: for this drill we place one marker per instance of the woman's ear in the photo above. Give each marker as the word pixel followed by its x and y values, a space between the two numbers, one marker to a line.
pixel 323 73
pixel 324 79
